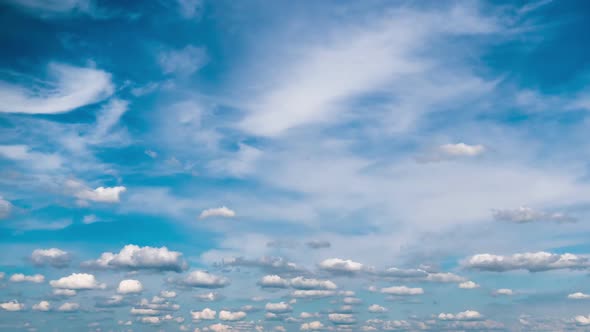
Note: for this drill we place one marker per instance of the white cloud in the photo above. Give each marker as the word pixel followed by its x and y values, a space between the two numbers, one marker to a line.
pixel 504 291
pixel 312 326
pixel 220 328
pixel 101 194
pixel 12 306
pixel 5 208
pixel 144 311
pixel 42 306
pixel 53 256
pixel 462 149
pixel 69 307
pixel 578 296
pixel 218 212
pixel 64 292
pixel 141 258
pixel 280 307
pixel 525 214
pixel 582 320
pixel 402 290
pixel 185 61
pixel 312 293
pixel 375 308
pixel 77 281
pixel 310 283
pixel 273 281
pixel 33 159
pixel 204 279
pixel 465 315
pixel 71 88
pixel 231 316
pixel 130 286
pixel 534 262
pixel 205 314
pixel 168 294
pixel 19 277
pixel 343 319
pixel 444 277
pixel 340 265
pixel 468 285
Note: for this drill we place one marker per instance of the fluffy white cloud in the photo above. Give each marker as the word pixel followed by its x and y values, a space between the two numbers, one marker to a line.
pixel 280 307
pixel 205 314
pixel 305 283
pixel 468 285
pixel 402 290
pixel 231 316
pixel 144 311
pixel 139 258
pixel 25 155
pixel 273 281
pixel 578 296
pixel 5 208
pixel 73 87
pixel 64 292
pixel 525 214
pixel 375 308
pixel 100 194
pixel 154 320
pixel 168 294
pixel 342 319
pixel 533 262
pixel 185 61
pixel 220 328
pixel 312 326
pixel 69 307
pixel 130 286
pixel 312 293
pixel 218 212
pixel 204 279
pixel 452 151
pixel 13 305
pixel 53 256
pixel 42 306
pixel 504 291
pixel 582 320
pixel 77 281
pixel 340 265
pixel 444 277
pixel 464 315
pixel 19 277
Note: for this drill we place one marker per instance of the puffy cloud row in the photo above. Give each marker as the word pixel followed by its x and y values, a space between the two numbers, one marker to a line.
pixel 133 257
pixel 533 262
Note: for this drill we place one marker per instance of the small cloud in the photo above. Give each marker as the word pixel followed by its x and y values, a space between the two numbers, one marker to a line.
pixel 468 285
pixel 451 151
pixel 218 212
pixel 525 214
pixel 578 296
pixel 185 61
pixel 53 257
pixel 151 154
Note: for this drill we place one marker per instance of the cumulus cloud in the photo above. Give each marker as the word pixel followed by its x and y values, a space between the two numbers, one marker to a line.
pixel 133 257
pixel 525 214
pixel 504 291
pixel 444 277
pixel 276 308
pixel 13 305
pixel 185 61
pixel 130 286
pixel 578 296
pixel 71 88
pixel 404 273
pixel 19 277
pixel 338 265
pixel 99 195
pixel 204 279
pixel 168 294
pixel 77 281
pixel 582 320
pixel 342 319
pixel 205 314
pixel 64 292
pixel 310 283
pixel 468 285
pixel 273 281
pixel 533 262
pixel 220 328
pixel 402 290
pixel 452 151
pixel 69 307
pixel 231 316
pixel 218 212
pixel 37 160
pixel 42 306
pixel 312 293
pixel 53 257
pixel 5 208
pixel 312 326
pixel 465 315
pixel 375 308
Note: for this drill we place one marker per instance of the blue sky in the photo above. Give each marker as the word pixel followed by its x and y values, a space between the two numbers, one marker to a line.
pixel 294 166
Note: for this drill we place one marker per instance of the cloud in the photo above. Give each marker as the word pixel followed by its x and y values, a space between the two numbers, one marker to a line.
pixel 69 307
pixel 130 286
pixel 338 265
pixel 19 277
pixel 316 244
pixel 342 319
pixel 100 194
pixel 71 88
pixel 5 208
pixel 220 328
pixel 77 281
pixel 309 283
pixel 218 212
pixel 375 308
pixel 37 160
pixel 205 314
pixel 190 8
pixel 402 291
pixel 525 215
pixel 533 262
pixel 53 257
pixel 312 293
pixel 133 257
pixel 204 279
pixel 273 281
pixel 45 8
pixel 278 308
pixel 64 292
pixel 312 326
pixel 143 311
pixel 13 305
pixel 503 291
pixel 168 294
pixel 452 151
pixel 578 296
pixel 404 273
pixel 42 306
pixel 185 61
pixel 582 320
pixel 231 316
pixel 465 315
pixel 112 301
pixel 468 285
pixel 444 277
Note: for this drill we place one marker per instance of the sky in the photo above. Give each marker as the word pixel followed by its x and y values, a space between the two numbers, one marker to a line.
pixel 194 165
